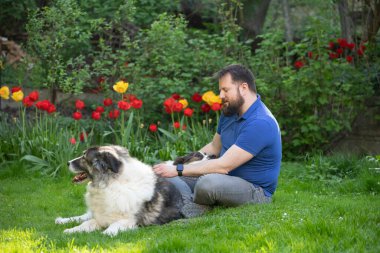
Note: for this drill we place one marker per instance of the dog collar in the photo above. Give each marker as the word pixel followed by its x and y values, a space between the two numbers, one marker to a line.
pixel 179 169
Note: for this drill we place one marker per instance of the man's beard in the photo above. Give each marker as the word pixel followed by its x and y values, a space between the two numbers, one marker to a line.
pixel 233 106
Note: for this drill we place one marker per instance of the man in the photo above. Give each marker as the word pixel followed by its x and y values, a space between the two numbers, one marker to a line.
pixel 247 144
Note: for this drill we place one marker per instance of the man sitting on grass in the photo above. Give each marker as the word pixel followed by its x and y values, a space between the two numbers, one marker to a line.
pixel 247 144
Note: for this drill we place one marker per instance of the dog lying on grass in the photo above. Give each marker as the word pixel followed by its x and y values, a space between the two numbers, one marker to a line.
pixel 124 193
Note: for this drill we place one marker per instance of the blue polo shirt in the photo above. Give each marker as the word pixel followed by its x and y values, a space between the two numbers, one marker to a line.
pixel 258 133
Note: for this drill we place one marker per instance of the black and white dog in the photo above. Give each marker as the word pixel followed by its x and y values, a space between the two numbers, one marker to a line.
pixel 123 192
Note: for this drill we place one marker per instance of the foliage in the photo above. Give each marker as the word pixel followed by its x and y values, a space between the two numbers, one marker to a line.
pixel 313 96
pixel 57 34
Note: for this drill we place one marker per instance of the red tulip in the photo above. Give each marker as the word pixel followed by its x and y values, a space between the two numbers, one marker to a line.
pixel 137 103
pixel 51 109
pixel 34 96
pixel 205 108
pixel 82 136
pixel 15 89
pixel 349 58
pixel 77 115
pixel 153 128
pixel 43 105
pixel 176 96
pixel 72 140
pixel 169 104
pixel 176 125
pixel 123 105
pixel 99 109
pixel 27 101
pixel 216 106
pixel 79 104
pixel 197 97
pixel 129 97
pixel 298 64
pixel 188 112
pixel 177 107
pixel 96 115
pixel 114 114
pixel 107 102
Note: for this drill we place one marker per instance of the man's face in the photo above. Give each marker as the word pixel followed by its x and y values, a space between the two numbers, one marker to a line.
pixel 230 95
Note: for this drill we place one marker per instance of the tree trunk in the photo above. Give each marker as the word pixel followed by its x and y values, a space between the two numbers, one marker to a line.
pixel 372 21
pixel 346 24
pixel 254 13
pixel 287 21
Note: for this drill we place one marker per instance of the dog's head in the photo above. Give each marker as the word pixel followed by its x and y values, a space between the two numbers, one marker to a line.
pixel 193 157
pixel 98 163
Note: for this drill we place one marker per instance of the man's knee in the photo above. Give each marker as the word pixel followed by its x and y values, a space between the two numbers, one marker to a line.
pixel 206 189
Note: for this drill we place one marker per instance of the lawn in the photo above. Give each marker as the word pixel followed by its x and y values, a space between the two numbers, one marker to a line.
pixel 307 215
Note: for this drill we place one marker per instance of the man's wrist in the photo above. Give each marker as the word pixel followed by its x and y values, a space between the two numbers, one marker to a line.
pixel 179 169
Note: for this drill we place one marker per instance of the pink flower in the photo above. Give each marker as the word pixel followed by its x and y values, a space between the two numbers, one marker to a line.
pixel 73 141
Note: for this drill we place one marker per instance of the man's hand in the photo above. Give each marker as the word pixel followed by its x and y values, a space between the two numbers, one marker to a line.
pixel 165 170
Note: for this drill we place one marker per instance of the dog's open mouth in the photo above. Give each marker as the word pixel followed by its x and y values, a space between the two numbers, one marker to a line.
pixel 80 177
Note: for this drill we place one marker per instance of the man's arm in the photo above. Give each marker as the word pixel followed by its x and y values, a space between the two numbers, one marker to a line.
pixel 214 147
pixel 233 158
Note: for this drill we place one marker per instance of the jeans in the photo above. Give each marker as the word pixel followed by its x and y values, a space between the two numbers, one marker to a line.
pixel 218 189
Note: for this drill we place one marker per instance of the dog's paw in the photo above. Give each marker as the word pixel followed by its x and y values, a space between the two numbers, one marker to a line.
pixel 61 220
pixel 70 231
pixel 111 232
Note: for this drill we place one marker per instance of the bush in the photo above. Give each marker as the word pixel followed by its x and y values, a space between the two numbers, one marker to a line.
pixel 313 92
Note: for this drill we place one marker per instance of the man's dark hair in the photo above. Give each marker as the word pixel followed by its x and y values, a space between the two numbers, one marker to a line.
pixel 238 73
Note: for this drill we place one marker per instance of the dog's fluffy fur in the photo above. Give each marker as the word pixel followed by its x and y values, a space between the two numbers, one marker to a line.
pixel 124 193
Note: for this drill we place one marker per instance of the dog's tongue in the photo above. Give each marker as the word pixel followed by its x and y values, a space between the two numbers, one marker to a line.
pixel 80 177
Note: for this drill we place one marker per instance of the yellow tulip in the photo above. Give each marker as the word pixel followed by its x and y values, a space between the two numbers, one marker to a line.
pixel 4 92
pixel 207 96
pixel 18 96
pixel 121 87
pixel 215 99
pixel 184 103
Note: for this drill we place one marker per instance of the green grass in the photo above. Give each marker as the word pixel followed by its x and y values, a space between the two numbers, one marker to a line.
pixel 305 216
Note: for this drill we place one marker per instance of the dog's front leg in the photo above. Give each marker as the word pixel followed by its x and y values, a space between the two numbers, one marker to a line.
pixel 119 226
pixel 81 218
pixel 87 226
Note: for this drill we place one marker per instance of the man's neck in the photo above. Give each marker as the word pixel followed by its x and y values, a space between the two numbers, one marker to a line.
pixel 247 103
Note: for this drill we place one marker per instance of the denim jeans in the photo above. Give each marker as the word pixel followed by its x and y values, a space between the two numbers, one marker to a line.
pixel 218 189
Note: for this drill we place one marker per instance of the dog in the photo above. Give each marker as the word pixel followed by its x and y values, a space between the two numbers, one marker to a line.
pixel 124 193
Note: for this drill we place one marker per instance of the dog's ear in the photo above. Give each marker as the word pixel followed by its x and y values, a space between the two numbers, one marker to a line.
pixel 107 161
pixel 113 163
